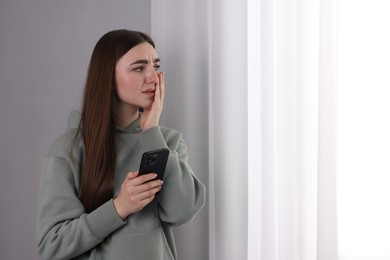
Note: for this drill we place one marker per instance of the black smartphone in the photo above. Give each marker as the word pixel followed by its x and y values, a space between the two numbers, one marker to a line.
pixel 154 162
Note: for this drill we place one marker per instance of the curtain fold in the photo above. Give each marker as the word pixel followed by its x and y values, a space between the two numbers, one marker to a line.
pixel 298 130
pixel 289 95
pixel 327 238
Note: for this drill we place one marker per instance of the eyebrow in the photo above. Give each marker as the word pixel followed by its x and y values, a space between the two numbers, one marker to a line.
pixel 145 61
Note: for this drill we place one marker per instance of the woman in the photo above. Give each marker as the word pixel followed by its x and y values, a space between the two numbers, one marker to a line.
pixel 92 202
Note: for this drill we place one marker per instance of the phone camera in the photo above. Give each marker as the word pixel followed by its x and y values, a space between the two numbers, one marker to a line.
pixel 151 159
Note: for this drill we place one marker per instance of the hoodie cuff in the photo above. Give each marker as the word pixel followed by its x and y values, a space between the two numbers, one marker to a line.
pixel 103 221
pixel 152 139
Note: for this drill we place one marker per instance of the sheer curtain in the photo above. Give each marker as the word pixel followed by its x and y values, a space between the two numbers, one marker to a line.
pixel 262 75
pixel 298 192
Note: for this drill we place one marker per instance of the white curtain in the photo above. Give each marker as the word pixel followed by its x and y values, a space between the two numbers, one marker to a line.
pixel 298 196
pixel 260 75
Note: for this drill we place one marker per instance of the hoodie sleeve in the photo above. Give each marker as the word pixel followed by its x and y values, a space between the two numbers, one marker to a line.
pixel 64 230
pixel 182 194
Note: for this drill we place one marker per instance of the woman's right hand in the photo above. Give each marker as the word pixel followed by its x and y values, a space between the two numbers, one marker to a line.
pixel 136 192
pixel 150 117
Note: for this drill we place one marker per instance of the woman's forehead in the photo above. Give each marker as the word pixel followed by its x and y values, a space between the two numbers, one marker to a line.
pixel 143 51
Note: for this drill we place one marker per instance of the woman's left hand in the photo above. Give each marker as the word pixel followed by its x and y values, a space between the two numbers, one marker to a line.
pixel 151 115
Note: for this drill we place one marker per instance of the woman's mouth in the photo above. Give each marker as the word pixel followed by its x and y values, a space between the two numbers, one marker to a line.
pixel 149 93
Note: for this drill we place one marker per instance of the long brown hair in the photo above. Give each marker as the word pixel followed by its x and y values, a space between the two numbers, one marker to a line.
pixel 97 125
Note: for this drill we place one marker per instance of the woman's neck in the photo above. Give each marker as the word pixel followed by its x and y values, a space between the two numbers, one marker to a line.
pixel 125 115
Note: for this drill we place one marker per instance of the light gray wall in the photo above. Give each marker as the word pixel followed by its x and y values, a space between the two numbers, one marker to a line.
pixel 183 40
pixel 45 47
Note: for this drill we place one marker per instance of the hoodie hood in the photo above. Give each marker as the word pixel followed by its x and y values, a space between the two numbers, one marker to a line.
pixel 75 117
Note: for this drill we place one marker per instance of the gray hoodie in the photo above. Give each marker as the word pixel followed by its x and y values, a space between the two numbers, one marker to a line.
pixel 65 231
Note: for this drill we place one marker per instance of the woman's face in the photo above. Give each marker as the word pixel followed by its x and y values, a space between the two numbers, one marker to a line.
pixel 136 76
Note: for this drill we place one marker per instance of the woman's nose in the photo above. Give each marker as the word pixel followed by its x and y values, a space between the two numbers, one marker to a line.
pixel 151 76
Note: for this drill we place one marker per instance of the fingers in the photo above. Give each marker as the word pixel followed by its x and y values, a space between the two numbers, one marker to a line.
pixel 149 193
pixel 145 193
pixel 143 199
pixel 136 192
pixel 138 180
pixel 151 115
pixel 131 175
pixel 142 186
pixel 161 78
pixel 148 188
pixel 160 90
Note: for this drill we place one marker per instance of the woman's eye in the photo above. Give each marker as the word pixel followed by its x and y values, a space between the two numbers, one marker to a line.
pixel 139 69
